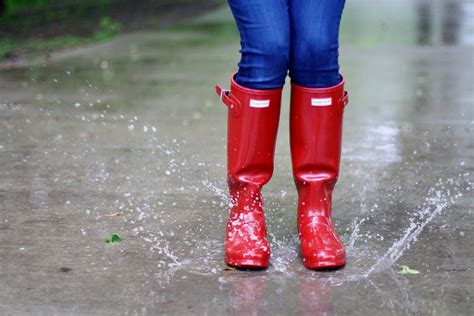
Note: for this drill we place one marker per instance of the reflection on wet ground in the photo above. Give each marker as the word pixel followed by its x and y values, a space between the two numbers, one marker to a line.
pixel 127 137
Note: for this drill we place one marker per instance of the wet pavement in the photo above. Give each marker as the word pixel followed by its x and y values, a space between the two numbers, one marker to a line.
pixel 127 137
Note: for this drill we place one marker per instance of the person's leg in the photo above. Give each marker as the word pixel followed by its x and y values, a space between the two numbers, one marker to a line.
pixel 317 104
pixel 315 42
pixel 265 42
pixel 254 110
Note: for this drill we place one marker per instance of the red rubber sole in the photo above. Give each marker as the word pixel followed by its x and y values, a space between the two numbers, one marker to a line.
pixel 316 264
pixel 248 263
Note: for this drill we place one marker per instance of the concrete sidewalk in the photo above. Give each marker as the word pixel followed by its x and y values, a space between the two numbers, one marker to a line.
pixel 128 137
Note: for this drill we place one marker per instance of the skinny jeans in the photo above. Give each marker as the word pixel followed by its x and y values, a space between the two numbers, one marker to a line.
pixel 299 38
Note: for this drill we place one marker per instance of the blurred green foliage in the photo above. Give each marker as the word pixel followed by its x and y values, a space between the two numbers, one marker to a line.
pixel 11 6
pixel 37 27
pixel 51 9
pixel 108 28
pixel 9 48
pixel 6 48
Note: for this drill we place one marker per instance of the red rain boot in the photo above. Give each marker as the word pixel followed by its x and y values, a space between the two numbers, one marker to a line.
pixel 252 125
pixel 315 138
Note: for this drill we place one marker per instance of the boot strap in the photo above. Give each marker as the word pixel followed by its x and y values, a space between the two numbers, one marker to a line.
pixel 345 99
pixel 228 99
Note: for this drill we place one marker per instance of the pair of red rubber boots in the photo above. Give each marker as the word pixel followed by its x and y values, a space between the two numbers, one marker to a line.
pixel 315 140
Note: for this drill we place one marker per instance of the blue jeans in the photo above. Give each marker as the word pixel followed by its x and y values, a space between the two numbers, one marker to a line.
pixel 277 36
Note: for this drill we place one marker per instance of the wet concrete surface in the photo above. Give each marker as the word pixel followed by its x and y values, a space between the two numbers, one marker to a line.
pixel 127 137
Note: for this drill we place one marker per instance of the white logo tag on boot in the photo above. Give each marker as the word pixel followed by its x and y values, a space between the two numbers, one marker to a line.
pixel 259 103
pixel 321 102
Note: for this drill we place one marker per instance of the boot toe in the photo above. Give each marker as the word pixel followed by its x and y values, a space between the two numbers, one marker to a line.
pixel 247 263
pixel 246 255
pixel 248 260
pixel 325 259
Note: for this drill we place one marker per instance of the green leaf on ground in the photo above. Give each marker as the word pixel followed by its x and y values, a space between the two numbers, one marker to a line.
pixel 113 239
pixel 407 270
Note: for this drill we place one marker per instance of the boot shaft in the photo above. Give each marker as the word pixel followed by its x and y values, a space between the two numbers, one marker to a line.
pixel 252 126
pixel 316 133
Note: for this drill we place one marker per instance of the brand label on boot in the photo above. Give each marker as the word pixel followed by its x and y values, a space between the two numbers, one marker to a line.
pixel 259 103
pixel 321 101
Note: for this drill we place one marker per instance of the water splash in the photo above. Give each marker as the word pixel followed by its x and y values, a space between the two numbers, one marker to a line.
pixel 284 254
pixel 355 227
pixel 438 200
